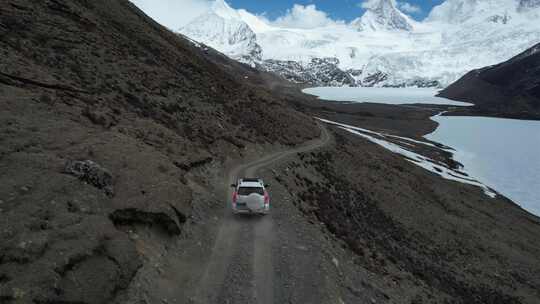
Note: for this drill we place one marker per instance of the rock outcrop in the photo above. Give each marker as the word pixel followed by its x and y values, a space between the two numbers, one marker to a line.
pixel 318 72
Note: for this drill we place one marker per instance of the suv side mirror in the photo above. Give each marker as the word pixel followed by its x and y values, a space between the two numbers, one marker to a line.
pixel 233 185
pixel 266 185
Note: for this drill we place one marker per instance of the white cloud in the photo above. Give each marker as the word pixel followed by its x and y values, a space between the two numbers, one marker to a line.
pixel 409 8
pixel 367 4
pixel 173 13
pixel 306 17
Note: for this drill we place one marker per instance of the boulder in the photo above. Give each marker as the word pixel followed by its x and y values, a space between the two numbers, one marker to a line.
pixel 91 173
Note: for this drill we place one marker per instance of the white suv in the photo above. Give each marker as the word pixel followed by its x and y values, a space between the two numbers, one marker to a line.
pixel 250 196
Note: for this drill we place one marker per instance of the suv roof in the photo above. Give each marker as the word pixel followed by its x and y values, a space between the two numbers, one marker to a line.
pixel 251 182
pixel 251 179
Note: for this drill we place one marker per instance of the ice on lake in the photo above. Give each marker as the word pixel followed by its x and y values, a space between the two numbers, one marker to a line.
pixel 501 153
pixel 394 96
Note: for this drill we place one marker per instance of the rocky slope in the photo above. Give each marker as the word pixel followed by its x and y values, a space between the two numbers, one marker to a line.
pixel 104 114
pixel 426 239
pixel 508 89
pixel 417 234
pixel 115 138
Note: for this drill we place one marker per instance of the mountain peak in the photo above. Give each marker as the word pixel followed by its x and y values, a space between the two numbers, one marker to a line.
pixel 224 10
pixel 223 29
pixel 382 15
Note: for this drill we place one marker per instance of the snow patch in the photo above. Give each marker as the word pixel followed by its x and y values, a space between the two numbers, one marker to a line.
pixel 415 158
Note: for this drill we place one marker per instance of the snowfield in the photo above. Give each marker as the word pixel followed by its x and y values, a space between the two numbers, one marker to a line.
pixel 502 153
pixel 383 47
pixel 394 96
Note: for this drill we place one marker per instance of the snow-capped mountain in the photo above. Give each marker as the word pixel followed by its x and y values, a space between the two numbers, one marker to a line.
pixel 223 29
pixel 383 47
pixel 383 15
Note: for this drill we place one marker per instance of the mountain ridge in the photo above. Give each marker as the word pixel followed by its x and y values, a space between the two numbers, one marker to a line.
pixel 508 89
pixel 395 51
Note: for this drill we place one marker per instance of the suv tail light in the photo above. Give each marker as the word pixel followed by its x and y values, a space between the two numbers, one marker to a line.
pixel 266 198
pixel 234 197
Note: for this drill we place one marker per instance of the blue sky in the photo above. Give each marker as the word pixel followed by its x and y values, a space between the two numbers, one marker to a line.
pixel 336 9
pixel 177 13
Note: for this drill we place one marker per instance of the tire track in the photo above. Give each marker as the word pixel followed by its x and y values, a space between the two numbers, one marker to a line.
pixel 226 278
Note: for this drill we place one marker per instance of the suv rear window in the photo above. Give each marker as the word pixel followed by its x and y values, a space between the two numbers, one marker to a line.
pixel 249 190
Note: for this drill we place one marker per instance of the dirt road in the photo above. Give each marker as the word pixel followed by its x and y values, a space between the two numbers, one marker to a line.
pixel 241 268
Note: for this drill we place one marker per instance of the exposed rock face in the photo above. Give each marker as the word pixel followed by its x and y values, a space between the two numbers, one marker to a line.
pixel 528 4
pixel 508 89
pixel 373 79
pixel 326 72
pixel 318 72
pixel 502 19
pixel 379 78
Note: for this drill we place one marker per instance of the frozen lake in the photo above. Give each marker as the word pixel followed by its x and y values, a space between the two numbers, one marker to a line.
pixel 501 153
pixel 383 95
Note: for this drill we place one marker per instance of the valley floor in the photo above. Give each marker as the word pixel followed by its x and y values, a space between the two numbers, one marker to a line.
pixel 350 223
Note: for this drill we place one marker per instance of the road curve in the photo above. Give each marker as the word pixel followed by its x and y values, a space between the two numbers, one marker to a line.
pixel 240 269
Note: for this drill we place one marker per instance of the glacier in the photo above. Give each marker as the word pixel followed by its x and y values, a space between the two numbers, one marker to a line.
pixel 384 47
